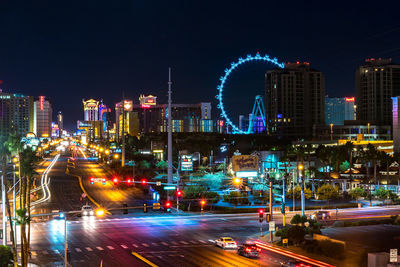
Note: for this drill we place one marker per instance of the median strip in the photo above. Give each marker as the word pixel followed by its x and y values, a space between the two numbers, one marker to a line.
pixel 144 259
pixel 86 193
pixel 292 255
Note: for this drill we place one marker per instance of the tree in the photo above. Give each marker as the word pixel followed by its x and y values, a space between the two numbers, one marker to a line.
pixel 383 193
pixel 162 165
pixel 327 192
pixel 357 192
pixel 144 164
pixel 297 192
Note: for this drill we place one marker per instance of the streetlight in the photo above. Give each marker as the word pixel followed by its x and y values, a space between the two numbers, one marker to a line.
pixel 303 203
pixel 237 181
pixel 202 203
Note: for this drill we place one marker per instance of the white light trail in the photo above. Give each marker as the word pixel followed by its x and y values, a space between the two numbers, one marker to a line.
pixel 45 181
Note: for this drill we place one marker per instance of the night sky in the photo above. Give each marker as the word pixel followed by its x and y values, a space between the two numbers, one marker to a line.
pixel 102 49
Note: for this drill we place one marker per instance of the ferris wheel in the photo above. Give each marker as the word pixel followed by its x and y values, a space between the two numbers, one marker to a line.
pixel 223 79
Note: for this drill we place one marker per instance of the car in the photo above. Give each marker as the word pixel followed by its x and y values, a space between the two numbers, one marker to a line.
pixel 87 210
pixel 294 263
pixel 226 243
pixel 321 215
pixel 249 250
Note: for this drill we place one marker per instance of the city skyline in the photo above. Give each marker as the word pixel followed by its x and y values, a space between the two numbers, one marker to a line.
pixel 77 49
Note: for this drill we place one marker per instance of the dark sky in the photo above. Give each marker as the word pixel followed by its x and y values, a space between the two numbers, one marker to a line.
pixel 99 49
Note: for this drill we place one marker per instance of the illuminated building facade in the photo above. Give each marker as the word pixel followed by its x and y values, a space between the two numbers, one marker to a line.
pixel 376 82
pixel 42 117
pixel 130 120
pixel 60 121
pixel 91 110
pixel 294 98
pixel 105 116
pixel 185 117
pixel 339 109
pixel 396 123
pixel 16 114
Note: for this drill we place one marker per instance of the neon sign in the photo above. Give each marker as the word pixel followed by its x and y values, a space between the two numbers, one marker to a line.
pixel 349 99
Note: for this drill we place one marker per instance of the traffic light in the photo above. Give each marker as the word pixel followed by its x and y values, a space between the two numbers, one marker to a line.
pixel 91 180
pixel 178 193
pixel 129 181
pixel 144 182
pixel 202 202
pixel 268 217
pixel 261 215
pixel 167 206
pixel 115 180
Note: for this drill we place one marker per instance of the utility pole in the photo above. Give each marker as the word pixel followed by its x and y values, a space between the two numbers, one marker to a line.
pixel 283 200
pixel 303 201
pixel 169 114
pixel 14 210
pixel 65 242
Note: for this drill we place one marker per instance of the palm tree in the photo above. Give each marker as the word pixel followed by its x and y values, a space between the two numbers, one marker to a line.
pixel 4 157
pixel 28 161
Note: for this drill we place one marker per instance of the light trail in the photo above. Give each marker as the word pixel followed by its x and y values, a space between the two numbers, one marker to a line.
pixel 292 255
pixel 45 181
pixel 83 153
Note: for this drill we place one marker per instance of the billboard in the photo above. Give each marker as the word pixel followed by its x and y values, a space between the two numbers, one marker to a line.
pixel 147 101
pixel 244 163
pixel 187 163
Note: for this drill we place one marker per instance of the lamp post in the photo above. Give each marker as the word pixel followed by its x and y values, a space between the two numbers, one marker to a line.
pixel 301 168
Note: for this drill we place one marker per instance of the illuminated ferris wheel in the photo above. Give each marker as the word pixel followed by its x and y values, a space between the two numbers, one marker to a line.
pixel 258 102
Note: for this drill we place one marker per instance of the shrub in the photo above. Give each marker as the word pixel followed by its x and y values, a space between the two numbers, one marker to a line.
pixel 296 234
pixel 236 198
pixel 283 232
pixel 5 255
pixel 332 249
pixel 338 224
pixel 298 219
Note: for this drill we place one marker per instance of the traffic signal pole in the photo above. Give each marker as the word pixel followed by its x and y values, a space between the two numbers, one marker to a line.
pixel 270 200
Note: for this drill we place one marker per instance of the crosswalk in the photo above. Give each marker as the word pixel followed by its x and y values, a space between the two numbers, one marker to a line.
pixel 126 246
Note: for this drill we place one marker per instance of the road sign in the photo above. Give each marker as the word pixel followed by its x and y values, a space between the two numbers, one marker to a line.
pixel 285 241
pixel 393 255
pixel 272 226
pixel 171 187
pixel 187 163
pixel 156 206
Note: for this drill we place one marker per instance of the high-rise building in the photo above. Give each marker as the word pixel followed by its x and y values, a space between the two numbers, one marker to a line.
pixel 16 114
pixel 91 110
pixel 294 100
pixel 376 82
pixel 339 109
pixel 185 117
pixel 42 117
pixel 126 122
pixel 396 123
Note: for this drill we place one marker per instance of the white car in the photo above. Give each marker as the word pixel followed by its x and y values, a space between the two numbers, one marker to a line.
pixel 87 210
pixel 226 243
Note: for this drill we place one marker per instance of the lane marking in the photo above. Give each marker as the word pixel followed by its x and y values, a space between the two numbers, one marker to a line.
pixel 123 246
pixel 184 242
pixel 193 242
pixel 89 249
pixel 78 250
pixel 110 247
pixel 202 241
pixel 99 248
pixel 165 244
pixel 136 246
pixel 155 244
pixel 145 245
pixel 174 243
pixel 45 252
pixel 144 259
pixel 33 253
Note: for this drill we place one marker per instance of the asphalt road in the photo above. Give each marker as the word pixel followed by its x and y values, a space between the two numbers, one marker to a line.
pixel 163 239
